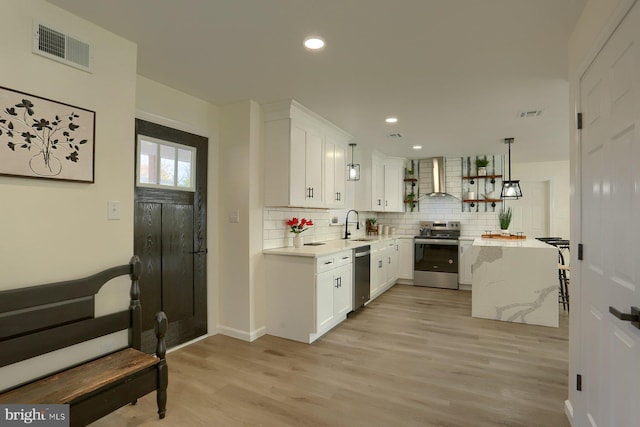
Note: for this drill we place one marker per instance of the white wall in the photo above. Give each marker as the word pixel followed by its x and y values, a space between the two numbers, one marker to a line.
pixel 166 106
pixel 54 230
pixel 240 243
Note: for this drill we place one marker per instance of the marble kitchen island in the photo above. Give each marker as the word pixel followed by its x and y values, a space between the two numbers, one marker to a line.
pixel 515 281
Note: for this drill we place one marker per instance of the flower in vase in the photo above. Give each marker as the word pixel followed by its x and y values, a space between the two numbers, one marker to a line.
pixel 298 226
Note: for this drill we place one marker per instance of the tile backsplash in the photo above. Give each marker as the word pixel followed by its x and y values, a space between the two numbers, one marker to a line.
pixel 328 225
pixel 442 209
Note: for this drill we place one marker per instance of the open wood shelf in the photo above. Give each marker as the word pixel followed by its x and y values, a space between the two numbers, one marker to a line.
pixel 482 200
pixel 482 176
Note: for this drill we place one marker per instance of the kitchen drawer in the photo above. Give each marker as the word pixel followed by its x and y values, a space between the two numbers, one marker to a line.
pixel 343 258
pixel 328 262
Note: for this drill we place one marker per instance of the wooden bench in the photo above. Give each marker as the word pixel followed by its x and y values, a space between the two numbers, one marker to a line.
pixel 40 319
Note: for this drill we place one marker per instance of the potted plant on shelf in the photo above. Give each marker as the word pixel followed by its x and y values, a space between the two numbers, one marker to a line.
pixel 410 199
pixel 481 164
pixel 371 225
pixel 505 219
pixel 297 227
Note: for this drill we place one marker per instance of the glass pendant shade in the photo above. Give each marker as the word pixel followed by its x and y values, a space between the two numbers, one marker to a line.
pixel 353 172
pixel 510 188
pixel 353 169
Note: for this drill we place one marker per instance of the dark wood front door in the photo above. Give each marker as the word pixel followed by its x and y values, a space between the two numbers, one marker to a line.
pixel 170 239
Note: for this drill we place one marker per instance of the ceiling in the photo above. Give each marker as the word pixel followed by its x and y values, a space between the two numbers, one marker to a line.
pixel 456 73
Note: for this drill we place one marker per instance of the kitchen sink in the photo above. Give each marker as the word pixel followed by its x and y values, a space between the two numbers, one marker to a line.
pixel 361 240
pixel 314 244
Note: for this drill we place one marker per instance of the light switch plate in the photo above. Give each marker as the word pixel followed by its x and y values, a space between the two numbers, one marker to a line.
pixel 113 210
pixel 234 216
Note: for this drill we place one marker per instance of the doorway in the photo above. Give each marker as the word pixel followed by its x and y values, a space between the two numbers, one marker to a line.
pixel 170 230
pixel 531 213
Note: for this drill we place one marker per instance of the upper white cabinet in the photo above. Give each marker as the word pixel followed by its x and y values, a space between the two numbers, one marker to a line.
pixel 335 166
pixel 386 184
pixel 304 158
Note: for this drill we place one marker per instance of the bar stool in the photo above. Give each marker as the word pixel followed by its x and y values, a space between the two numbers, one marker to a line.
pixel 563 268
pixel 563 277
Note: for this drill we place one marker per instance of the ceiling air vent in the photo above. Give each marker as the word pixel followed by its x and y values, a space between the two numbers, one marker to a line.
pixel 395 135
pixel 61 47
pixel 529 113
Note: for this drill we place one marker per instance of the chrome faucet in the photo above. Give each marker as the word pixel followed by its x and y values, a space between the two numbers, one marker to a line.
pixel 347 233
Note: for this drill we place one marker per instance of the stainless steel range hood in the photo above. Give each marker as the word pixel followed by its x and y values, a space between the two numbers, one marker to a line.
pixel 433 172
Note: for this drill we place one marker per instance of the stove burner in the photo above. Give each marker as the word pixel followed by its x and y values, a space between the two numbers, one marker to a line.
pixel 440 230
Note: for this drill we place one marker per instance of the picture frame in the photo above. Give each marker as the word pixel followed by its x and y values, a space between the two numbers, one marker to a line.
pixel 43 138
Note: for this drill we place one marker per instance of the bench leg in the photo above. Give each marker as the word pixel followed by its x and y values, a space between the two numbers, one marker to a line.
pixel 161 396
pixel 133 402
pixel 160 327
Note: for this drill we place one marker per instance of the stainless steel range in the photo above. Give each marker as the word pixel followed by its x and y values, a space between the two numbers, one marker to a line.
pixel 436 254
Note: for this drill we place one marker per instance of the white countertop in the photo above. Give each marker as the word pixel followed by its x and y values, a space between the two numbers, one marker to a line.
pixel 331 246
pixel 519 243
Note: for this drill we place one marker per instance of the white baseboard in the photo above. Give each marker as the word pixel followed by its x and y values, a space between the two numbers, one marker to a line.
pixel 242 335
pixel 193 341
pixel 568 411
pixel 464 287
pixel 258 333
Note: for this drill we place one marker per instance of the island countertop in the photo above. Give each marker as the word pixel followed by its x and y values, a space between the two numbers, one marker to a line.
pixel 507 243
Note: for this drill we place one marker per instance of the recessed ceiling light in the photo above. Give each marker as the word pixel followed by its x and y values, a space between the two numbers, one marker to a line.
pixel 417 147
pixel 313 43
pixel 391 120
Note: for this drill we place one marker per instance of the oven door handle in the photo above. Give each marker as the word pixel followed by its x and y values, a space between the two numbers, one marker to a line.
pixel 443 242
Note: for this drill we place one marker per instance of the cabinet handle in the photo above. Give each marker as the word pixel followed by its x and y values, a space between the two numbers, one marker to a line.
pixel 345 257
pixel 380 264
pixel 386 203
pixel 328 262
pixel 389 260
pixel 379 202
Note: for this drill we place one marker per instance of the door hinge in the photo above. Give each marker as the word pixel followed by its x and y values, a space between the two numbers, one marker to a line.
pixel 579 121
pixel 579 382
pixel 580 251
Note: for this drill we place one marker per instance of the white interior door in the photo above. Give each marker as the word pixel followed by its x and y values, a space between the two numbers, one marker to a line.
pixel 531 213
pixel 610 230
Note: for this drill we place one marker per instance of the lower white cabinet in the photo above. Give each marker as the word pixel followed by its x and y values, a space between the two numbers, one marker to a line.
pixel 405 259
pixel 465 261
pixel 306 297
pixel 384 266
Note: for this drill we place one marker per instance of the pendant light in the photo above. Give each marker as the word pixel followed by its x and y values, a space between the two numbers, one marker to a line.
pixel 510 188
pixel 353 169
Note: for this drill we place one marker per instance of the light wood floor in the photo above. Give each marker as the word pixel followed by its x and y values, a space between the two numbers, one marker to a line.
pixel 413 357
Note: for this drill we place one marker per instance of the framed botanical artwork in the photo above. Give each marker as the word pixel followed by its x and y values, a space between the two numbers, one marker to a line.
pixel 42 138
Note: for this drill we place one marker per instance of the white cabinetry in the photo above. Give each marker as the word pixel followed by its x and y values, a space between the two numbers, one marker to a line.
pixel 465 261
pixel 405 259
pixel 306 296
pixel 297 169
pixel 335 165
pixel 386 184
pixel 384 266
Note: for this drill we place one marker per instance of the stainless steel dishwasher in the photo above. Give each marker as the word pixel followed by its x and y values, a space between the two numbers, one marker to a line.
pixel 361 276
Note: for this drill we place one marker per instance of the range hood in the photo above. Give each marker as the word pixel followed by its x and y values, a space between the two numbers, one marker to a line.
pixel 433 177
